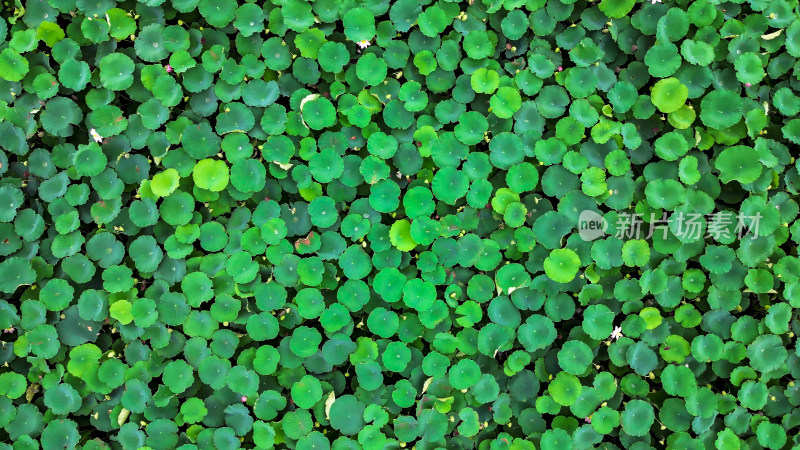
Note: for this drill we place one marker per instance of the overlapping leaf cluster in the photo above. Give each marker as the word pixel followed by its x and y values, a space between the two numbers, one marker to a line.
pixel 346 224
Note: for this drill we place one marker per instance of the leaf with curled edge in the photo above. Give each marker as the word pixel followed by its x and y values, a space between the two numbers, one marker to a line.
pixel 328 403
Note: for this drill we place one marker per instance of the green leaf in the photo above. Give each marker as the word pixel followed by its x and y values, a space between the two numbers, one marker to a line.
pixel 562 265
pixel 211 174
pixel 13 66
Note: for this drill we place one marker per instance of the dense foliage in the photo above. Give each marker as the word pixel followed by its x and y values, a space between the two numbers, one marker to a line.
pixel 505 224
